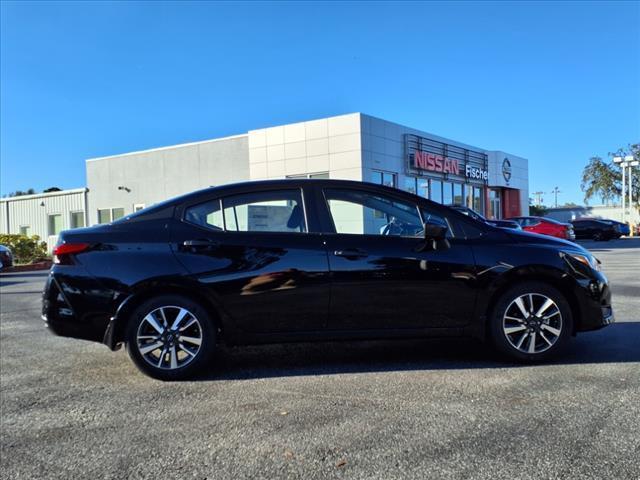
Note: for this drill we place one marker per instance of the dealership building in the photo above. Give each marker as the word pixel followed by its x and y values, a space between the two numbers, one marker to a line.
pixel 354 147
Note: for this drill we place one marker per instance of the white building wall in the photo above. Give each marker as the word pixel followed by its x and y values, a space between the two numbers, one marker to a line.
pixel 610 212
pixel 327 145
pixel 33 211
pixel 155 175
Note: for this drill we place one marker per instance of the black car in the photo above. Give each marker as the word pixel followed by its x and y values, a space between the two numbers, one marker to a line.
pixel 476 216
pixel 300 260
pixel 621 227
pixel 6 257
pixel 595 229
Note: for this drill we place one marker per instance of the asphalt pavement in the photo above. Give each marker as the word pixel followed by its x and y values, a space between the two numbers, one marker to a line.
pixel 399 409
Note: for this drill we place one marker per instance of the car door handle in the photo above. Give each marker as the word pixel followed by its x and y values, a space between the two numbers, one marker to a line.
pixel 200 243
pixel 351 253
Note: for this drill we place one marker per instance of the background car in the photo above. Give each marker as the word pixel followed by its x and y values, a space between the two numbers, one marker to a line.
pixel 595 229
pixel 546 226
pixel 303 260
pixel 476 216
pixel 623 228
pixel 6 257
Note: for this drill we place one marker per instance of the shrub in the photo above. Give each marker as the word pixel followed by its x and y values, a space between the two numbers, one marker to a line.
pixel 25 249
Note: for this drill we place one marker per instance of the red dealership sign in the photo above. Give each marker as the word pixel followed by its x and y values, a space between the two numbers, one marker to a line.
pixel 435 163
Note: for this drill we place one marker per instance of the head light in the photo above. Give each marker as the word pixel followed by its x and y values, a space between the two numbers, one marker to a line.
pixel 587 260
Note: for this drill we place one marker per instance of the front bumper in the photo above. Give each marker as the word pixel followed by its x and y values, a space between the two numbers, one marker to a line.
pixel 594 303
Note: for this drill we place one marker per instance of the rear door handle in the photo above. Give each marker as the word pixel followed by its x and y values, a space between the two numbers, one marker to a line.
pixel 200 243
pixel 351 253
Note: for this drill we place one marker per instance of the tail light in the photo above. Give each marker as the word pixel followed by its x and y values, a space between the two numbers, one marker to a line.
pixel 61 252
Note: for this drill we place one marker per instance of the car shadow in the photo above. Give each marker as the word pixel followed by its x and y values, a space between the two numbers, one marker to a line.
pixel 614 344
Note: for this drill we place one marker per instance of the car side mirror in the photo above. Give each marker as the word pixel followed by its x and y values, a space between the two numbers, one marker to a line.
pixel 435 231
pixel 435 237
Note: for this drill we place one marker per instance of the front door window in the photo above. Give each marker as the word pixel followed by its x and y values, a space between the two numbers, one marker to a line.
pixel 363 213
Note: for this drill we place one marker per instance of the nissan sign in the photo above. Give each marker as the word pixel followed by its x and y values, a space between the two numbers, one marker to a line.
pixel 506 170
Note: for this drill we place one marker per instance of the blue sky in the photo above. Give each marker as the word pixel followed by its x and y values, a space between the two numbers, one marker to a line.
pixel 553 82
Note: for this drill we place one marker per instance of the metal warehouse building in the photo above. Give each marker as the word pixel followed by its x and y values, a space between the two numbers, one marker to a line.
pixel 354 146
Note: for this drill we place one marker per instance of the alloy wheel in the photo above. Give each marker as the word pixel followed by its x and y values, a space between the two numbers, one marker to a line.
pixel 169 337
pixel 532 323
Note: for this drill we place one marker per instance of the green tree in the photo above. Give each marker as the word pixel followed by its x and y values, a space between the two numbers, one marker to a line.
pixel 537 210
pixel 603 179
pixel 19 193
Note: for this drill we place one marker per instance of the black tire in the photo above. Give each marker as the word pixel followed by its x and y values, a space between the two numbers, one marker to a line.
pixel 193 363
pixel 597 236
pixel 507 344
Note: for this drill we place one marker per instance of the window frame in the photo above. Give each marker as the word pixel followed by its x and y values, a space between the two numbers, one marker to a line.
pixel 71 219
pixel 53 214
pixel 220 198
pixel 396 198
pixel 455 221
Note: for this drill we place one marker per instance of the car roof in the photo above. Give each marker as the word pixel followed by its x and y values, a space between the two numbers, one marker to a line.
pixel 241 187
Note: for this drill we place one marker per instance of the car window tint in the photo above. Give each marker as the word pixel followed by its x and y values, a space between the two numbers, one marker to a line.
pixel 269 211
pixel 207 214
pixel 365 213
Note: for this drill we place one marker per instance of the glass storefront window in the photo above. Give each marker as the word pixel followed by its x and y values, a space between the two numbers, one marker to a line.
pixel 447 193
pixel 436 191
pixel 423 188
pixel 458 198
pixel 494 210
pixel 409 184
pixel 477 199
pixel 383 178
pixel 468 195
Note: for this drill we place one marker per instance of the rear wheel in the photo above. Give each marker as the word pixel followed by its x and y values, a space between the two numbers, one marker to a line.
pixel 170 337
pixel 597 236
pixel 531 322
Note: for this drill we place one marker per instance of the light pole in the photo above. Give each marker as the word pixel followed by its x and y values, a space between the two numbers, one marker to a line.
pixel 538 196
pixel 625 162
pixel 556 191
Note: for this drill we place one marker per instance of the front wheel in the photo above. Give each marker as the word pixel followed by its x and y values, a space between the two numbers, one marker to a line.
pixel 170 337
pixel 531 322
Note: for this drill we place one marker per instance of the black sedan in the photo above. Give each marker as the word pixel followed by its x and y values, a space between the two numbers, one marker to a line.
pixel 590 228
pixel 301 260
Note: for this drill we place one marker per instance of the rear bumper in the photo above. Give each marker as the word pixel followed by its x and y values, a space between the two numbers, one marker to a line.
pixel 61 319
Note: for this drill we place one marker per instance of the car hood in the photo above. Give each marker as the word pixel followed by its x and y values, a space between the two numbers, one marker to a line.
pixel 523 236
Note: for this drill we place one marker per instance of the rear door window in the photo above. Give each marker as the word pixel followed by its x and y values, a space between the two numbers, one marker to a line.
pixel 267 211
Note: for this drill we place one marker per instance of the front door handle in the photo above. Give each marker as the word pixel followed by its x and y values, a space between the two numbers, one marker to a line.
pixel 351 253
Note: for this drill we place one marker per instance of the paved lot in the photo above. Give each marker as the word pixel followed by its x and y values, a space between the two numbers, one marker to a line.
pixel 410 409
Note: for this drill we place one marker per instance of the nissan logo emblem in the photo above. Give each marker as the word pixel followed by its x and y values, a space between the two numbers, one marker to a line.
pixel 506 169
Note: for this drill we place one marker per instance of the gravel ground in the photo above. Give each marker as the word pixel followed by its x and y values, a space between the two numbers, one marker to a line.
pixel 402 409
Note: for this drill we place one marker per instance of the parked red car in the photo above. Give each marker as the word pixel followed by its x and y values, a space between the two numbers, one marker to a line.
pixel 546 226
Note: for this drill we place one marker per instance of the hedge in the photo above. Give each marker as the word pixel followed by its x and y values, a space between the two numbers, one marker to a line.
pixel 25 249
